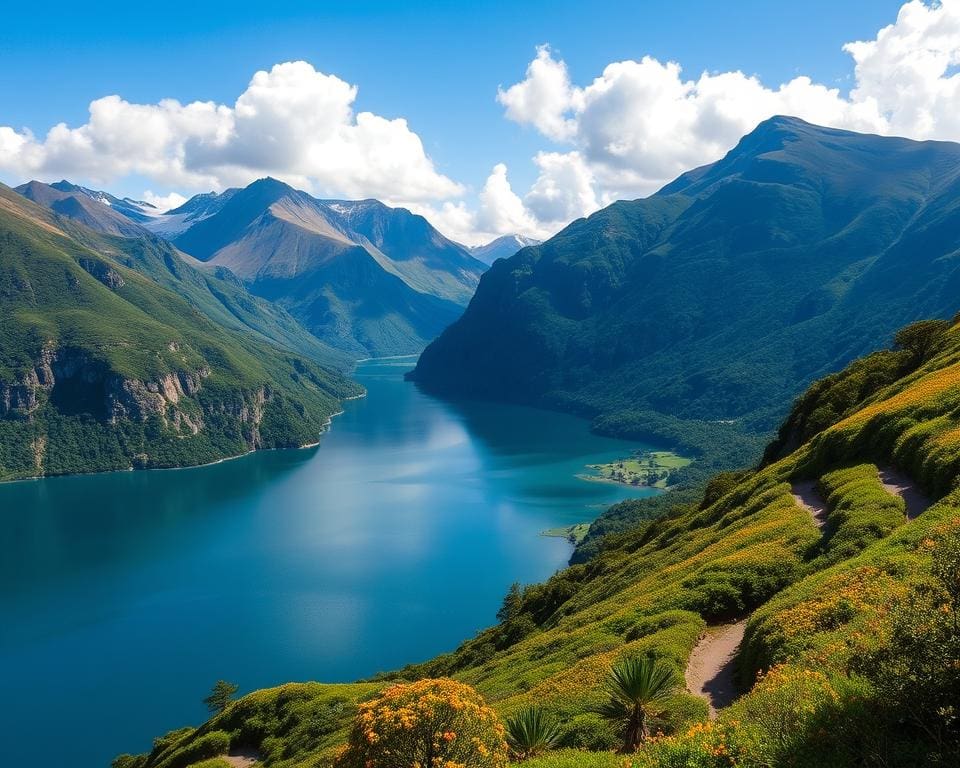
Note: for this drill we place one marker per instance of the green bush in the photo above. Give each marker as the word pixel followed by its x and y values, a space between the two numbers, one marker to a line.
pixel 861 510
pixel 575 758
pixel 210 744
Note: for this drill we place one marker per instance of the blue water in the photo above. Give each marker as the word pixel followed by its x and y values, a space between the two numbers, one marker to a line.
pixel 124 596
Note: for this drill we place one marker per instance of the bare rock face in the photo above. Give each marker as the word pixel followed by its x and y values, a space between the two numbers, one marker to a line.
pixel 73 381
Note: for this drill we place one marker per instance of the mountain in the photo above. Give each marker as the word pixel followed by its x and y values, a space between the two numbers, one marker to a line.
pixel 813 602
pixel 82 205
pixel 136 210
pixel 365 278
pixel 199 207
pixel 502 248
pixel 116 353
pixel 217 293
pixel 716 300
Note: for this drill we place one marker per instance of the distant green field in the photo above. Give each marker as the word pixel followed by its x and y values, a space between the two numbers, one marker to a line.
pixel 651 468
pixel 574 533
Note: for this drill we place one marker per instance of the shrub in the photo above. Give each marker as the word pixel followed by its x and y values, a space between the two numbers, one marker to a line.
pixel 576 758
pixel 917 672
pixel 861 510
pixel 639 688
pixel 210 744
pixel 531 732
pixel 588 731
pixel 704 745
pixel 777 716
pixel 431 723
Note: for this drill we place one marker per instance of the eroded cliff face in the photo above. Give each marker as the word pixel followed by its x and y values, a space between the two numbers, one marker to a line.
pixel 74 382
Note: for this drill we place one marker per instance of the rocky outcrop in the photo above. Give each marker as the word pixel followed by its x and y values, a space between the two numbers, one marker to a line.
pixel 103 272
pixel 63 375
pixel 73 382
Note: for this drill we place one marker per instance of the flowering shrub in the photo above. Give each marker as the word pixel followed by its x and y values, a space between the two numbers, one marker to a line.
pixel 432 723
pixel 705 745
pixel 777 716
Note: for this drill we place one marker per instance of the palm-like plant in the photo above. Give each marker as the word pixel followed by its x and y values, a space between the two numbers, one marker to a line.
pixel 639 688
pixel 531 732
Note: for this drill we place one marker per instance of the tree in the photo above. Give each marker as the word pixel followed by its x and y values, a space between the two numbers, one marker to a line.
pixel 220 696
pixel 432 723
pixel 512 603
pixel 531 732
pixel 922 339
pixel 639 688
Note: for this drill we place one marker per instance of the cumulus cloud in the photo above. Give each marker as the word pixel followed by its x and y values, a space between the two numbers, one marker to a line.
pixel 293 122
pixel 544 98
pixel 164 202
pixel 634 127
pixel 639 124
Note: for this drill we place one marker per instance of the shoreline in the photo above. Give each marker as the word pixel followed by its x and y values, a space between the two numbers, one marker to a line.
pixel 326 426
pixel 612 481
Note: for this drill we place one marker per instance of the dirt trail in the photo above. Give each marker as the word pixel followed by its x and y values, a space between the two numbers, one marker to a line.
pixel 709 672
pixel 243 758
pixel 899 484
pixel 806 495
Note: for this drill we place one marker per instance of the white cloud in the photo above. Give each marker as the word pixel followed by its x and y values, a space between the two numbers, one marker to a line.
pixel 634 127
pixel 293 122
pixel 501 210
pixel 563 191
pixel 544 98
pixel 641 123
pixel 163 203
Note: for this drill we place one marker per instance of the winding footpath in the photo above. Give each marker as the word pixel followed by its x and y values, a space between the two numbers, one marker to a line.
pixel 807 496
pixel 709 672
pixel 898 484
pixel 242 758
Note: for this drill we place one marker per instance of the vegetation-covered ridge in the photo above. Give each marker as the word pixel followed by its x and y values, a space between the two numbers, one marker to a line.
pixel 852 619
pixel 115 353
pixel 691 318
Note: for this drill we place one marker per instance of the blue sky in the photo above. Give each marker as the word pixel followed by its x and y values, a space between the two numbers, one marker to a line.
pixel 436 64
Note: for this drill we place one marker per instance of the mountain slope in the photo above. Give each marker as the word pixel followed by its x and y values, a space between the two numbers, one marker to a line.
pixel 69 201
pixel 722 295
pixel 363 277
pixel 217 293
pixel 102 367
pixel 831 608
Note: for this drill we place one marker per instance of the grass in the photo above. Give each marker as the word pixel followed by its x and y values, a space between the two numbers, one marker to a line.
pixel 574 758
pixel 573 533
pixel 651 468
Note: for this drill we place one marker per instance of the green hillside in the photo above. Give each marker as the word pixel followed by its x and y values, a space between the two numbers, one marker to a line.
pixel 693 317
pixel 114 353
pixel 838 561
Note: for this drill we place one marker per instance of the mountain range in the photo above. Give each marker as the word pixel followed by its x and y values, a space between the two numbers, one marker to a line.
pixel 363 277
pixel 117 353
pixel 705 308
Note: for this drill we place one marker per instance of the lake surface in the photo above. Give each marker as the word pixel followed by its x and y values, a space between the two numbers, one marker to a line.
pixel 124 596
